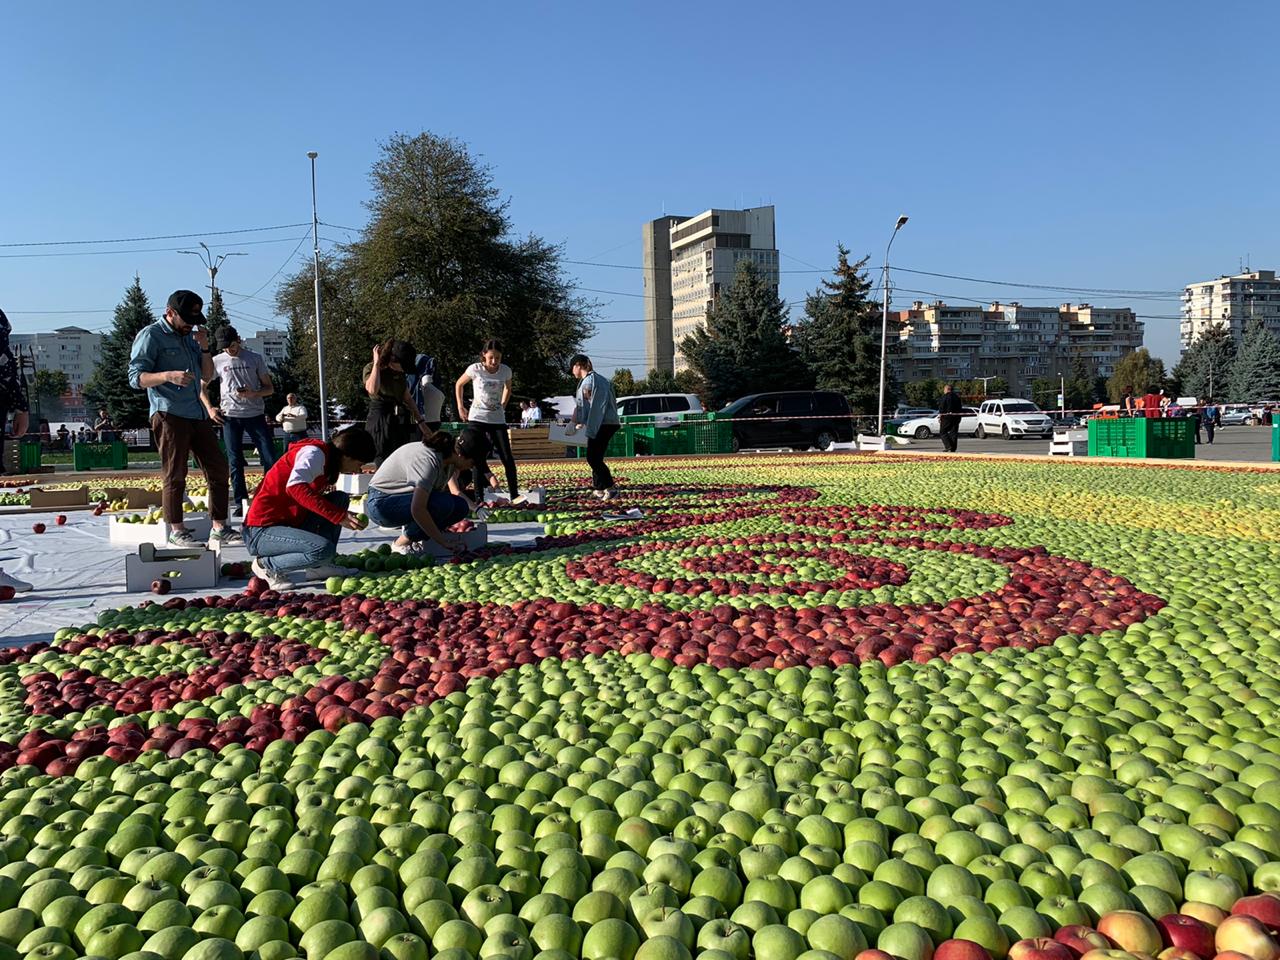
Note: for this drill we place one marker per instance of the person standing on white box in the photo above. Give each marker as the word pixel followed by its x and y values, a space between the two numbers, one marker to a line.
pixel 490 381
pixel 596 408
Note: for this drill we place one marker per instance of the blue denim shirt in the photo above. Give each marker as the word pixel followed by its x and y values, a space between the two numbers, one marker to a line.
pixel 159 348
pixel 595 403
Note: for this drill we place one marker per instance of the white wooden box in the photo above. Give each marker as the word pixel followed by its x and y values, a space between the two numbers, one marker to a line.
pixel 559 433
pixel 477 538
pixel 534 497
pixel 132 534
pixel 185 569
pixel 356 484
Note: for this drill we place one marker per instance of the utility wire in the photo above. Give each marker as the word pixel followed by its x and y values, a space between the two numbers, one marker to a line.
pixel 167 236
pixel 128 250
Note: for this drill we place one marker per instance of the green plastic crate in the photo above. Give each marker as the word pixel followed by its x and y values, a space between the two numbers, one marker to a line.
pixel 709 436
pixel 29 453
pixel 1170 438
pixel 1275 443
pixel 100 456
pixel 622 444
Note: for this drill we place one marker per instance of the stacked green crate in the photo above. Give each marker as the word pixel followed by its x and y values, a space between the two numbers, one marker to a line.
pixel 1275 443
pixel 1167 438
pixel 100 456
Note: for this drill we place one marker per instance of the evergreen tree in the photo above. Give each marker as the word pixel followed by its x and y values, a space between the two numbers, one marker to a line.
pixel 624 382
pixel 744 347
pixel 1255 375
pixel 839 338
pixel 919 393
pixel 49 388
pixel 215 318
pixel 108 386
pixel 1137 372
pixel 1205 367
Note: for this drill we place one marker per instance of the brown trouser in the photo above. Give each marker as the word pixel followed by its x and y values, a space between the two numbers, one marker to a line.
pixel 176 438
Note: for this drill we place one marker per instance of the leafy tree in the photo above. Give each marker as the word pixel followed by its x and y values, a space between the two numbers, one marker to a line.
pixel 624 382
pixel 438 265
pixel 215 317
pixel 1205 366
pixel 1255 375
pixel 921 393
pixel 975 391
pixel 839 337
pixel 108 386
pixel 1137 372
pixel 744 347
pixel 50 387
pixel 1080 389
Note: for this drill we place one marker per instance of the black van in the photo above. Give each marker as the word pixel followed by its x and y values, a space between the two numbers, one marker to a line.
pixel 792 418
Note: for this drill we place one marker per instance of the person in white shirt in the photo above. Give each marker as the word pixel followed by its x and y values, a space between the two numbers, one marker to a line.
pixel 490 381
pixel 293 417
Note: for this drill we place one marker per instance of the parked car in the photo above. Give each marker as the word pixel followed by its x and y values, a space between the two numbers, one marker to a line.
pixel 1237 416
pixel 911 412
pixel 660 407
pixel 1010 417
pixel 793 418
pixel 923 427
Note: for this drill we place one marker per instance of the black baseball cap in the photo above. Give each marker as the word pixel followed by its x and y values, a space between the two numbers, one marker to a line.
pixel 188 305
pixel 226 336
pixel 473 446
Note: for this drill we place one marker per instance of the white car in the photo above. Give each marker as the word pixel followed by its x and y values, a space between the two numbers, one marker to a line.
pixel 660 408
pixel 1010 417
pixel 922 428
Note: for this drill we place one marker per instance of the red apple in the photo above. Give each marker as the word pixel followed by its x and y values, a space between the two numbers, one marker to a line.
pixel 961 950
pixel 1080 939
pixel 1187 933
pixel 874 955
pixel 7 593
pixel 1204 912
pixel 1243 934
pixel 1131 931
pixel 1264 908
pixel 38 527
pixel 60 519
pixel 1040 948
pixel 161 586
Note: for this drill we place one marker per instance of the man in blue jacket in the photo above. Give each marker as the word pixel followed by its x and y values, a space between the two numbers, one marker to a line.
pixel 596 408
pixel 171 360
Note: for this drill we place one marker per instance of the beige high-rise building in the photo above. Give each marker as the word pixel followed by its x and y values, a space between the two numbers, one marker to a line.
pixel 1230 302
pixel 700 260
pixel 1009 340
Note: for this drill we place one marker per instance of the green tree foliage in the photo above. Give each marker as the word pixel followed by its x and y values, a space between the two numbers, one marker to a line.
pixel 108 386
pixel 744 347
pixel 1137 372
pixel 1082 389
pixel 1255 375
pixel 922 393
pixel 437 265
pixel 624 382
pixel 49 388
pixel 839 338
pixel 216 318
pixel 1205 367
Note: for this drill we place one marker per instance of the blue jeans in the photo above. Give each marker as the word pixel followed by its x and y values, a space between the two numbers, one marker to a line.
pixel 392 510
pixel 281 549
pixel 260 435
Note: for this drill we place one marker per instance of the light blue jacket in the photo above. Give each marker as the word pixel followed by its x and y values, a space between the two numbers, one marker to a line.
pixel 159 348
pixel 595 403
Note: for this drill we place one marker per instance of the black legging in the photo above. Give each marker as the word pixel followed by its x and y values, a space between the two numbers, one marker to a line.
pixel 499 441
pixel 388 424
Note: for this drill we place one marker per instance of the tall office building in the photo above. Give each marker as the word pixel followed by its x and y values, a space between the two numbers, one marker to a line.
pixel 1230 302
pixel 699 262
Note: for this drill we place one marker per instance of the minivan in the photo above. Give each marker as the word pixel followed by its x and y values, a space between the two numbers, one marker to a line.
pixel 659 407
pixel 1011 417
pixel 798 419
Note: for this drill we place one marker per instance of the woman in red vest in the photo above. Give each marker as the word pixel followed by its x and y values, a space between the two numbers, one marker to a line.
pixel 295 519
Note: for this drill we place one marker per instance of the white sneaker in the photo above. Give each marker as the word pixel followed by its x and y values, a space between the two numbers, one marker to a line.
pixel 19 586
pixel 609 494
pixel 599 494
pixel 326 570
pixel 276 581
pixel 409 549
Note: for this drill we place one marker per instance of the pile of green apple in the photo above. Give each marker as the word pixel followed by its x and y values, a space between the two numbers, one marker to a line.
pixel 613 805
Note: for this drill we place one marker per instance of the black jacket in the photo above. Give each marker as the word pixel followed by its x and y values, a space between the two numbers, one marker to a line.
pixel 950 406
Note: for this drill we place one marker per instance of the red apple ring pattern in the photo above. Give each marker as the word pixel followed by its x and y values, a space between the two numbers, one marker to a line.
pixel 668 497
pixel 857 572
pixel 400 654
pixel 871 516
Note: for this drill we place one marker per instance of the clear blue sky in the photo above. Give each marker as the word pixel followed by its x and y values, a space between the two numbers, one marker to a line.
pixel 1105 145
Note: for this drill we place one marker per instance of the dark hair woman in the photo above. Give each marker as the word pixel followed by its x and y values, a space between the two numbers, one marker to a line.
pixel 392 411
pixel 293 524
pixel 417 488
pixel 490 381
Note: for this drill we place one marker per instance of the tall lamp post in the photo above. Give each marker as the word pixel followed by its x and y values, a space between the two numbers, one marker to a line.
pixel 212 263
pixel 315 252
pixel 884 324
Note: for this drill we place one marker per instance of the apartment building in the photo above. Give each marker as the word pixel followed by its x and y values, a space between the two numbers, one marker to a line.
pixel 1230 301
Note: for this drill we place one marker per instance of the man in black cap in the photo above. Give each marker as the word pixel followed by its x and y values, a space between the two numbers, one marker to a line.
pixel 241 409
pixel 171 360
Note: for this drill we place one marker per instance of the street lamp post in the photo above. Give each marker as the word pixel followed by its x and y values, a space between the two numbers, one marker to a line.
pixel 211 264
pixel 884 325
pixel 315 252
pixel 1062 395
